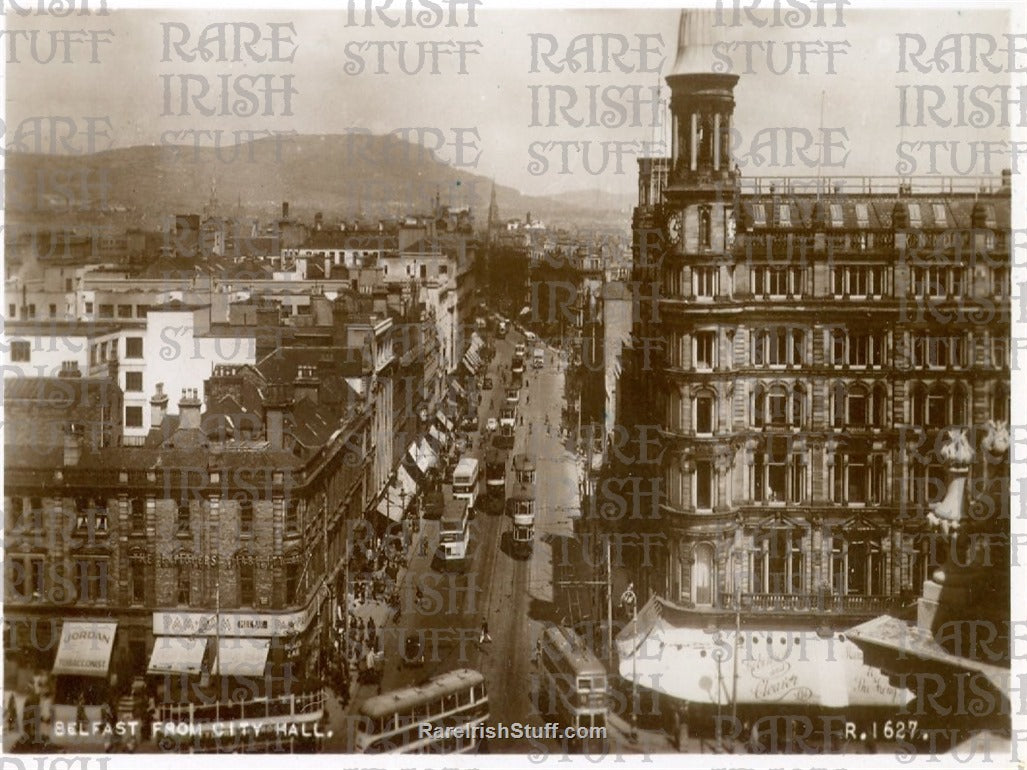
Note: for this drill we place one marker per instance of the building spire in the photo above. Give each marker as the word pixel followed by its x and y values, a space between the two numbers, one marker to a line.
pixel 698 32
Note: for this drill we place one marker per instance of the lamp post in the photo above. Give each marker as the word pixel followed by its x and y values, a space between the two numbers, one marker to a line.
pixel 628 598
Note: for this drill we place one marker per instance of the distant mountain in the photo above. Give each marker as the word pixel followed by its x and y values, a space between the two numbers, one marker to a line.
pixel 341 175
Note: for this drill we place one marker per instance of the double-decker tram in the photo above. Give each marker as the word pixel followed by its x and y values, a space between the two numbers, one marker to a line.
pixel 454 533
pixel 521 505
pixel 573 688
pixel 467 481
pixel 524 468
pixel 445 715
pixel 495 479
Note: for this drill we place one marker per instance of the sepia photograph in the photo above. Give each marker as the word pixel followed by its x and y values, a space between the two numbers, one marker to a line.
pixel 568 382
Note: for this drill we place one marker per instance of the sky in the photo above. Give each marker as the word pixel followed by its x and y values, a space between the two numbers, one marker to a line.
pixel 490 108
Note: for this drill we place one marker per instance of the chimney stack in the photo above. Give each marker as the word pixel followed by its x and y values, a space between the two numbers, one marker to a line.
pixel 306 383
pixel 189 410
pixel 275 405
pixel 158 406
pixel 70 369
pixel 72 445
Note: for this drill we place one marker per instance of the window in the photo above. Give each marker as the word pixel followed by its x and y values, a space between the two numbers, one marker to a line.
pixel 292 582
pixel 89 308
pixel 106 311
pixel 704 282
pixel 21 351
pixel 837 215
pixel 862 215
pixel 182 516
pixel 1000 281
pixel 857 565
pixel 860 349
pixel 914 215
pixel 15 512
pixel 777 407
pixel 779 563
pixel 53 311
pixel 133 347
pixel 292 516
pixel 137 514
pixel 246 517
pixel 246 591
pixel 133 382
pixel 183 584
pixel 940 217
pixel 92 580
pixel 705 227
pixel 138 580
pixel 778 281
pixel 124 311
pixel 938 352
pixel 142 310
pixel 12 311
pixel 443 269
pixel 133 417
pixel 858 478
pixel 759 215
pixel 784 215
pixel 859 280
pixel 779 346
pixel 704 485
pixel 705 350
pixel 704 413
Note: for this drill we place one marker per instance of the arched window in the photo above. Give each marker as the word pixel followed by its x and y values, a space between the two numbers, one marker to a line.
pixel 960 405
pixel 880 406
pixel 705 227
pixel 798 406
pixel 704 573
pixel 917 404
pixel 704 409
pixel 857 405
pixel 1000 402
pixel 937 415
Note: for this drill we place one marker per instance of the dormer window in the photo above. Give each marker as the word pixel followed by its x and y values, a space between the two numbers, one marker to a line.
pixel 759 215
pixel 862 215
pixel 914 215
pixel 784 215
pixel 940 216
pixel 837 215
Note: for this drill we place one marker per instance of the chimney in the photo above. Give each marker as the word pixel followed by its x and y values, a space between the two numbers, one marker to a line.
pixel 72 445
pixel 189 410
pixel 275 405
pixel 70 369
pixel 306 383
pixel 158 406
pixel 285 209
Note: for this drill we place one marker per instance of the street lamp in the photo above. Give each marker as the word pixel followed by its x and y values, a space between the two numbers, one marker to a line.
pixel 628 598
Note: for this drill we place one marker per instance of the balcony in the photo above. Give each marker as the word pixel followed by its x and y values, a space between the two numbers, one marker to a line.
pixel 843 605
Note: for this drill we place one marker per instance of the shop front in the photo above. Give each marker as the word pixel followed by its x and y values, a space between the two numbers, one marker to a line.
pixel 82 663
pixel 769 689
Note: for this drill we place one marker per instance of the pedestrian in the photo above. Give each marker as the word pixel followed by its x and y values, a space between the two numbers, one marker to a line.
pixel 538 650
pixel 11 714
pixel 81 720
pixel 484 632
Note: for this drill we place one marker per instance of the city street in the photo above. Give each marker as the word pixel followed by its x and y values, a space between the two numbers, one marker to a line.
pixel 515 596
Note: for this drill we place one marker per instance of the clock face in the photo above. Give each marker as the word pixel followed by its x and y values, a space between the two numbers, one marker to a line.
pixel 674 228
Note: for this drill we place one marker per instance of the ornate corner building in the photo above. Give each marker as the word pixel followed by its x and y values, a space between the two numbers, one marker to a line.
pixel 802 345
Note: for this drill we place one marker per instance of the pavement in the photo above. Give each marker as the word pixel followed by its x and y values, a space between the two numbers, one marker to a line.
pixel 62 730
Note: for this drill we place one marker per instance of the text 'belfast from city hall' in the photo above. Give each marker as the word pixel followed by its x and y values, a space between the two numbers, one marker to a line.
pixel 310 447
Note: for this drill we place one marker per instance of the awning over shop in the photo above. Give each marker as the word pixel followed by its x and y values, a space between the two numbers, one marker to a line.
pixel 444 421
pixel 85 648
pixel 423 455
pixel 241 656
pixel 457 388
pixel 436 439
pixel 755 667
pixel 398 496
pixel 472 362
pixel 177 655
